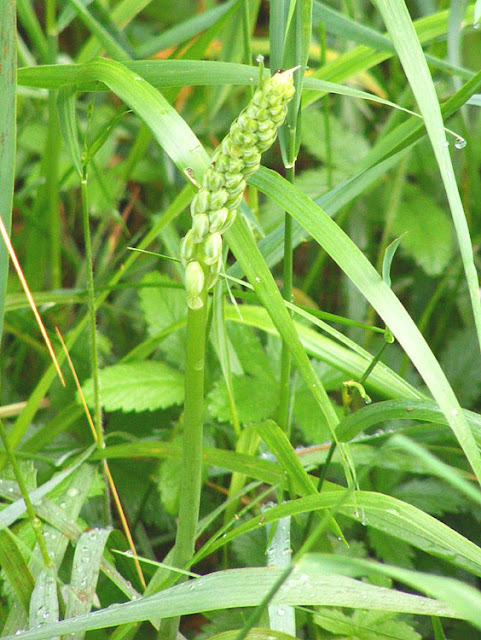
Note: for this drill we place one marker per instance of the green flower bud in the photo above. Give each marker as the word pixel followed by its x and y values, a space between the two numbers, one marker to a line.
pixel 218 219
pixel 234 180
pixel 194 302
pixel 187 248
pixel 194 278
pixel 213 249
pixel 218 199
pixel 200 203
pixel 213 180
pixel 200 227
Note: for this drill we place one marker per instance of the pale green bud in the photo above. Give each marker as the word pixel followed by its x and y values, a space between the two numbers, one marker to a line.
pixel 194 278
pixel 194 302
pixel 200 227
pixel 213 249
pixel 218 199
pixel 213 180
pixel 200 203
pixel 234 180
pixel 187 248
pixel 217 219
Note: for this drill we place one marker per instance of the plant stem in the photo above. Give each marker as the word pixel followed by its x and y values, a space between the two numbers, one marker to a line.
pixel 283 416
pixel 53 146
pixel 191 480
pixel 193 433
pixel 97 418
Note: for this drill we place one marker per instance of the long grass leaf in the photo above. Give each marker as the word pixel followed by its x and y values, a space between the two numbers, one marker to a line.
pixel 7 133
pixel 353 262
pixel 399 25
pixel 247 587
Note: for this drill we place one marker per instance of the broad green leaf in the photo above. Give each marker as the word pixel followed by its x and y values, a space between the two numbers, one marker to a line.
pixel 428 235
pixel 460 359
pixel 7 134
pixel 364 625
pixel 355 265
pixel 138 386
pixel 246 587
pixel 254 399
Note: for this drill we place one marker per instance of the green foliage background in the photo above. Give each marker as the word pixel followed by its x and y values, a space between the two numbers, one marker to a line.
pixel 105 130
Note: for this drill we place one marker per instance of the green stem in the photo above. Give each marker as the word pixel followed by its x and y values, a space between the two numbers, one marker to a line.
pixel 53 146
pixel 283 416
pixel 34 521
pixel 91 306
pixel 191 480
pixel 193 433
pixel 92 313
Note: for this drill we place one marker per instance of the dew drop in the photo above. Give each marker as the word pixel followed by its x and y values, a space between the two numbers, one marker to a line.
pixel 260 58
pixel 138 78
pixel 257 279
pixel 454 412
pixel 281 611
pixel 477 25
pixel 446 143
pixel 460 143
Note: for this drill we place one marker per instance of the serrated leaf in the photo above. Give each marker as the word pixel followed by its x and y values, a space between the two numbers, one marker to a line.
pixel 365 625
pixel 429 237
pixel 431 495
pixel 255 400
pixel 162 306
pixel 389 549
pixel 460 360
pixel 138 386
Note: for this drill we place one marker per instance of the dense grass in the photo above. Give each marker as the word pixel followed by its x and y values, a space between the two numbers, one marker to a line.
pixel 332 381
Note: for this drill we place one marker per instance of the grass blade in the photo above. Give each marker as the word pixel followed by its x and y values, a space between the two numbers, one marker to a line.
pixel 400 27
pixel 7 133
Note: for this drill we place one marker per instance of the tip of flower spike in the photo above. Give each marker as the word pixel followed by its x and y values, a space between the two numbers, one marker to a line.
pixel 286 74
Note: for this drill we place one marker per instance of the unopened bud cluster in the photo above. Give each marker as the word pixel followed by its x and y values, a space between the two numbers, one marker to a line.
pixel 215 205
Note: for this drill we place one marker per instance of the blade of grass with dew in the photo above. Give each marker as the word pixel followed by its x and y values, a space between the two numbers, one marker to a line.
pixel 355 265
pixel 245 588
pixel 85 572
pixel 422 410
pixel 462 597
pixel 17 508
pixel 44 605
pixel 7 134
pixel 400 27
pixel 385 513
pixel 16 571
